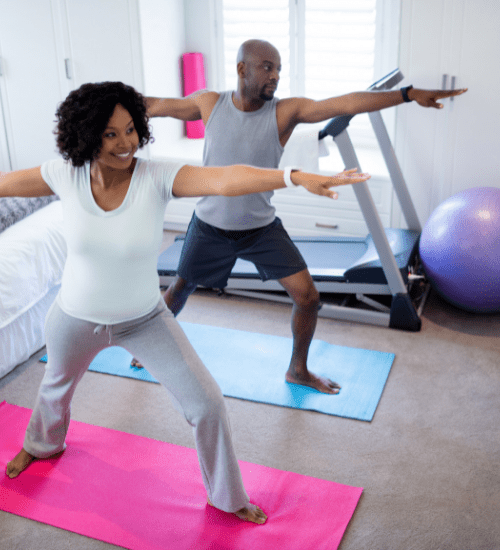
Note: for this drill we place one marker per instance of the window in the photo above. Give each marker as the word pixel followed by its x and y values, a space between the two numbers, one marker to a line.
pixel 256 19
pixel 339 46
pixel 327 47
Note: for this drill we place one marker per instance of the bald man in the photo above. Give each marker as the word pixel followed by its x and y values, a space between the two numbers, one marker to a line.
pixel 251 126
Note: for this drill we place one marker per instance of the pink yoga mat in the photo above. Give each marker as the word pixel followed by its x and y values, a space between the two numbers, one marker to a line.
pixel 145 494
pixel 193 74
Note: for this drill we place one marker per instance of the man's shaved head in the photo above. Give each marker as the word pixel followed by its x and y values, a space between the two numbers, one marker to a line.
pixel 255 48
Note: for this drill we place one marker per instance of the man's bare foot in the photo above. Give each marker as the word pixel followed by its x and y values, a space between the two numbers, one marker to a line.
pixel 250 513
pixel 320 383
pixel 19 463
pixel 135 363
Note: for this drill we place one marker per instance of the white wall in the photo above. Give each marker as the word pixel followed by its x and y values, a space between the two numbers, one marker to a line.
pixel 163 43
pixel 170 28
pixel 201 37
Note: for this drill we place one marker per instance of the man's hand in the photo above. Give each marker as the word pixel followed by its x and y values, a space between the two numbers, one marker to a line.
pixel 429 98
pixel 320 185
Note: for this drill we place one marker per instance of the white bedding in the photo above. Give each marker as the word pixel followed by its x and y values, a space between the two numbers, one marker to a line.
pixel 25 335
pixel 32 256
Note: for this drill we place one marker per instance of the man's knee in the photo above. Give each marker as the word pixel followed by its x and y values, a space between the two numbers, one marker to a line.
pixel 182 286
pixel 309 299
pixel 178 293
pixel 306 296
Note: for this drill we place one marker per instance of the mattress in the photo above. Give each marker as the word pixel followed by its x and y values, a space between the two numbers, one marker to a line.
pixel 23 337
pixel 32 257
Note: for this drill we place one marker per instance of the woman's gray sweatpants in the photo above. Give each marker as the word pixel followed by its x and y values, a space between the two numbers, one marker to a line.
pixel 159 343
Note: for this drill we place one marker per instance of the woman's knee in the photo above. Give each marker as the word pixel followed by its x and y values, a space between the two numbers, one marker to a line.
pixel 209 407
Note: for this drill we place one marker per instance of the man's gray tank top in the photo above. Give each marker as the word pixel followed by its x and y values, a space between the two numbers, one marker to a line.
pixel 240 137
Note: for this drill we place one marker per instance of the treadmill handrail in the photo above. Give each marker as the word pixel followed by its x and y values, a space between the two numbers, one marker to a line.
pixel 336 126
pixel 388 81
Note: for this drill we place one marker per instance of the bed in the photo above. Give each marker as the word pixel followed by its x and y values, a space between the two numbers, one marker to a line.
pixel 32 256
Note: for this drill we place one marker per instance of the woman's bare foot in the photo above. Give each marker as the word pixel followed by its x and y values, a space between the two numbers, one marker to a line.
pixel 320 383
pixel 135 363
pixel 250 513
pixel 19 463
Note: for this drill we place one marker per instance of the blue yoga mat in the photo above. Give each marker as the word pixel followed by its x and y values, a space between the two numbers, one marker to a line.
pixel 252 366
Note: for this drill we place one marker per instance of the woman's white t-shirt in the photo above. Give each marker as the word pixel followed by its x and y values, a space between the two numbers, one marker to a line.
pixel 110 275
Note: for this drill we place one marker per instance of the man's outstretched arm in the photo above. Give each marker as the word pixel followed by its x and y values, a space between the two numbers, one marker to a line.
pixel 309 110
pixel 196 106
pixel 182 109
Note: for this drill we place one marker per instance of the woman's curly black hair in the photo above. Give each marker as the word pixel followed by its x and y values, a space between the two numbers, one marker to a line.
pixel 83 116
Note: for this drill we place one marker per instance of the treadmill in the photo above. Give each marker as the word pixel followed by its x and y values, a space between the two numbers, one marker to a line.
pixel 377 271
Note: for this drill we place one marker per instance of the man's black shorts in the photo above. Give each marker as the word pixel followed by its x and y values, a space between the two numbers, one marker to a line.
pixel 209 253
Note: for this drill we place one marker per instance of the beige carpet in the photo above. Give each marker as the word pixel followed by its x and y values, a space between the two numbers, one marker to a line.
pixel 429 461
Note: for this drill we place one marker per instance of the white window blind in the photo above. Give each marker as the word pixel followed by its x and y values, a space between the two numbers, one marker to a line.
pixel 339 46
pixel 327 47
pixel 262 19
pixel 340 54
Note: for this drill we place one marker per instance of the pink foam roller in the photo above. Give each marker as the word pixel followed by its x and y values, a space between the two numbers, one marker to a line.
pixel 193 74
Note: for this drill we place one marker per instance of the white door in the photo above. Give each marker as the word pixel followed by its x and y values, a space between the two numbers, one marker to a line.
pixel 5 165
pixel 105 41
pixel 418 144
pixel 31 83
pixel 476 147
pixel 445 151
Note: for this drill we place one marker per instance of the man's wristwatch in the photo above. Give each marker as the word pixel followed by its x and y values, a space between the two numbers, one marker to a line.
pixel 404 93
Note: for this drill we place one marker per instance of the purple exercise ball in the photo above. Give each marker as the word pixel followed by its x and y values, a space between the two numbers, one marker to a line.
pixel 460 249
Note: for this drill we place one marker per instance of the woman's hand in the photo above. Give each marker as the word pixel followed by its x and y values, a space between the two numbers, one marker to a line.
pixel 320 185
pixel 233 181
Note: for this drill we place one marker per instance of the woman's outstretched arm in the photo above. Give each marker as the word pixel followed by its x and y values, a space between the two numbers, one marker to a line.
pixel 231 181
pixel 24 183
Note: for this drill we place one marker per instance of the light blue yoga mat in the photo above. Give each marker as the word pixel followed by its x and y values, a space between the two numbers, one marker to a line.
pixel 252 366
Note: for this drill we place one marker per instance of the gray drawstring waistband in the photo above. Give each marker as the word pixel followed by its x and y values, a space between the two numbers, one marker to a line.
pixel 99 328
